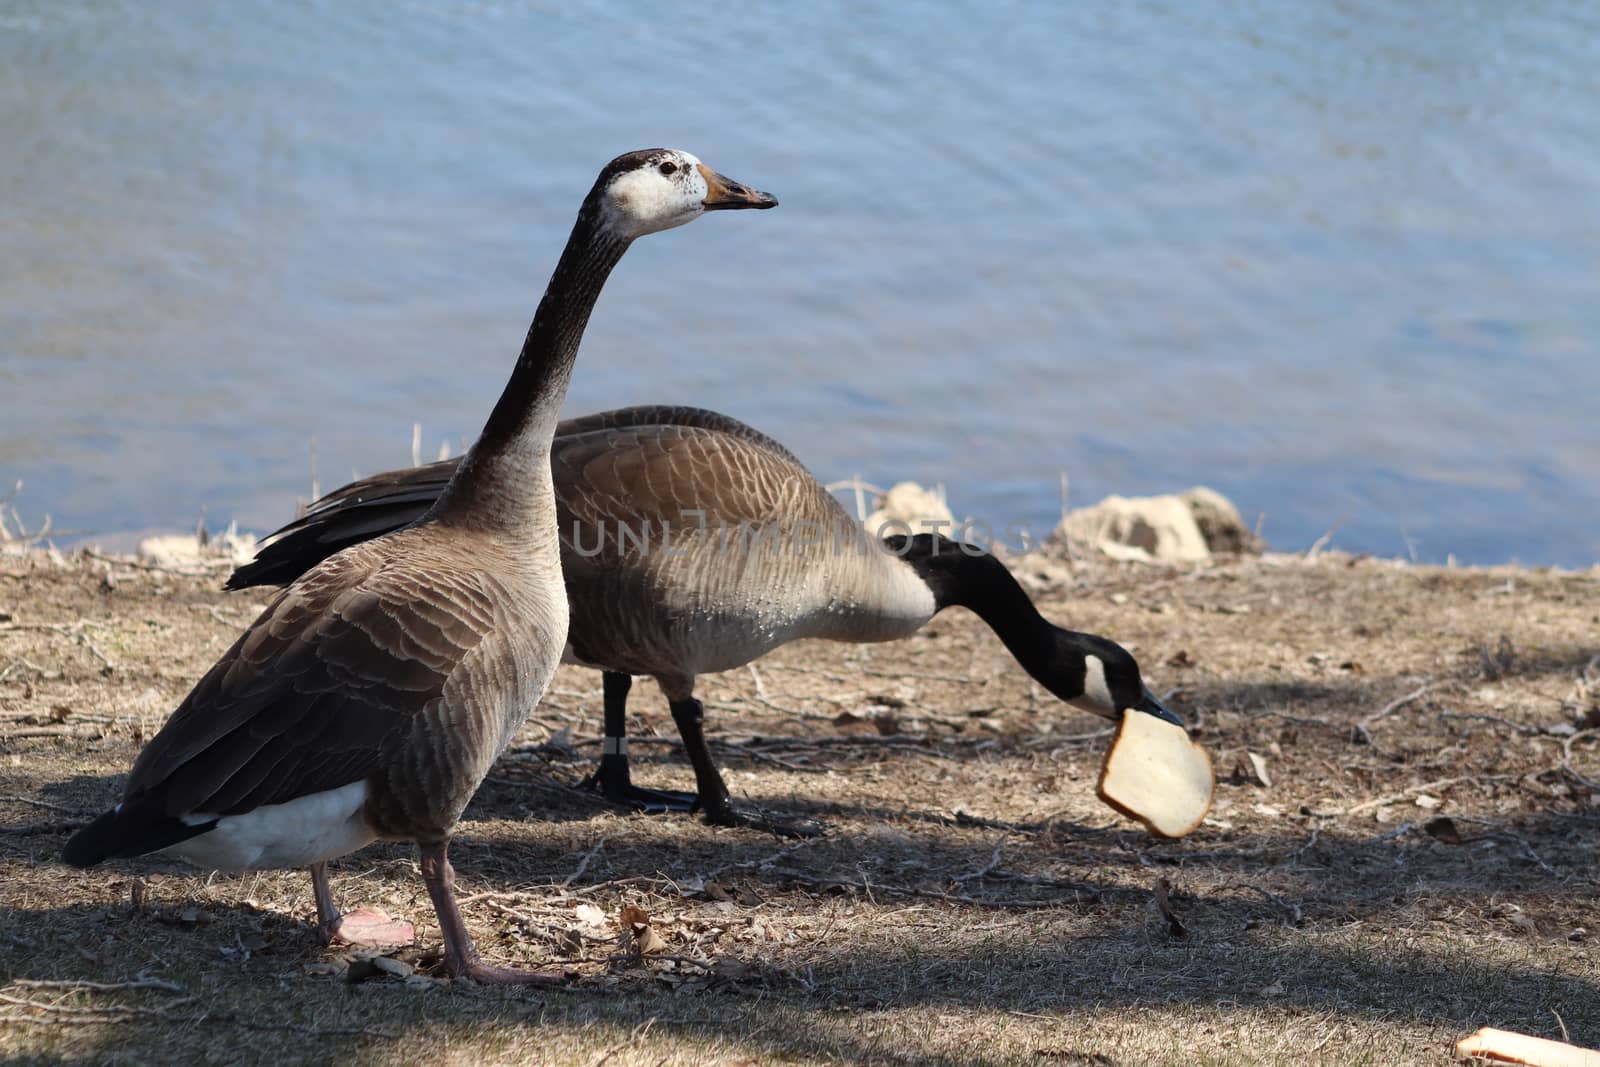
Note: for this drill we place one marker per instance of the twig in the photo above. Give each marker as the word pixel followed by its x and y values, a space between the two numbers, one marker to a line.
pixel 1393 798
pixel 583 864
pixel 1400 831
pixel 40 804
pixel 1292 910
pixel 1520 727
pixel 107 1013
pixel 100 987
pixel 216 613
pixel 1322 542
pixel 1398 703
pixel 982 872
pixel 1566 760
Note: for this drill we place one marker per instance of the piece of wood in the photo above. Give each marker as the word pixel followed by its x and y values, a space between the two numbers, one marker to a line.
pixel 1154 773
pixel 1503 1046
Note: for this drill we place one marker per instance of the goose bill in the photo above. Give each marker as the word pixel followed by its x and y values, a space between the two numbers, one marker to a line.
pixel 725 194
pixel 1151 706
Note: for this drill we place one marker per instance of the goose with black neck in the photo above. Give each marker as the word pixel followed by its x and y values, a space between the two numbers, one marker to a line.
pixel 372 694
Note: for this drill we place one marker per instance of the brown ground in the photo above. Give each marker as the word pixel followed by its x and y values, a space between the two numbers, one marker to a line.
pixel 1415 870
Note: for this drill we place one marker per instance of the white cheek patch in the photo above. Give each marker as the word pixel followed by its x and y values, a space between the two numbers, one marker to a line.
pixel 1095 689
pixel 645 201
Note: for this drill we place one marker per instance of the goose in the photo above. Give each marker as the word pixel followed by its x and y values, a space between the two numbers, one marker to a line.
pixel 660 511
pixel 372 694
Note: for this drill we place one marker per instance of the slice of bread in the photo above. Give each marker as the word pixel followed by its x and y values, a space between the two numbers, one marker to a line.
pixel 1504 1046
pixel 1154 773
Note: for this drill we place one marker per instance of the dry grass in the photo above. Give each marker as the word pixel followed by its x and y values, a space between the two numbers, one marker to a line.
pixel 972 902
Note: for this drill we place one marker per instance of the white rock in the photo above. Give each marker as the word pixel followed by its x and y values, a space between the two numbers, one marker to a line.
pixel 1186 527
pixel 1139 528
pixel 919 508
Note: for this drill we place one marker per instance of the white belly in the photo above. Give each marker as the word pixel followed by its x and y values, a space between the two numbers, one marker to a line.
pixel 306 830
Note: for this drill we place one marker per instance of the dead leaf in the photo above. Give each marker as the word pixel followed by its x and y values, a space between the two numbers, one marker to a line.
pixel 1162 891
pixel 590 916
pixel 633 917
pixel 1253 768
pixel 714 891
pixel 649 942
pixel 1443 829
pixel 1180 659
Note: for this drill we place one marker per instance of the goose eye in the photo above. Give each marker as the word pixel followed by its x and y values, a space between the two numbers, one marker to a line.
pixel 668 167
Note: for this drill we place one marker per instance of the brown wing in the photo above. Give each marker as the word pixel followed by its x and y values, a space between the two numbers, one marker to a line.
pixel 373 506
pixel 682 475
pixel 320 689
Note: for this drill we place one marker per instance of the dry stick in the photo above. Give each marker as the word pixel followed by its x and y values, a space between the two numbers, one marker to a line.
pixel 100 987
pixel 1402 830
pixel 104 1014
pixel 583 864
pixel 1499 833
pixel 1320 543
pixel 42 804
pixel 1566 760
pixel 1520 727
pixel 1292 910
pixel 216 613
pixel 982 872
pixel 1442 783
pixel 1398 703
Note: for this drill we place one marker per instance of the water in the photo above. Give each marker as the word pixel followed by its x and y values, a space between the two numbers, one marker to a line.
pixel 1340 261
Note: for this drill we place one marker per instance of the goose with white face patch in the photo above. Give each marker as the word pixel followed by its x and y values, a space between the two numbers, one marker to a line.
pixel 370 697
pixel 758 554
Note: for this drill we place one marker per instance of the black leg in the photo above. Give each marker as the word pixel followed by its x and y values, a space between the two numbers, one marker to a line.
pixel 690 717
pixel 613 778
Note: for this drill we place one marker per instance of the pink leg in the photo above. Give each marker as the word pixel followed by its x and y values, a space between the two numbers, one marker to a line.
pixel 461 958
pixel 362 928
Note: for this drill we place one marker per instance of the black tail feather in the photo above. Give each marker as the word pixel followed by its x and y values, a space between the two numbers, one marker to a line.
pixel 132 828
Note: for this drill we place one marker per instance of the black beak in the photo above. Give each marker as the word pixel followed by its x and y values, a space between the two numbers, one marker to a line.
pixel 1151 706
pixel 725 194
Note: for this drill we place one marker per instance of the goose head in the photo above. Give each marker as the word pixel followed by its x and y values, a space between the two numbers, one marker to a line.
pixel 656 189
pixel 1097 675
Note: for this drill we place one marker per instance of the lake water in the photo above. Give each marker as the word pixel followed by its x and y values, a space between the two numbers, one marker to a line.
pixel 1340 261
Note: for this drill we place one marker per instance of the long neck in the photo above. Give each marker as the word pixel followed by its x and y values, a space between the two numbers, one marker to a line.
pixel 505 476
pixel 964 577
